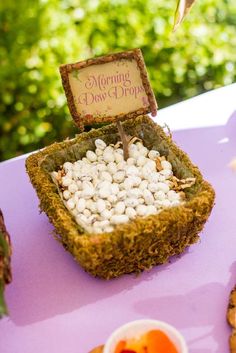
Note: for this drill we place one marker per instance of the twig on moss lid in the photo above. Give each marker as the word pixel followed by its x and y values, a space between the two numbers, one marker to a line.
pixel 125 140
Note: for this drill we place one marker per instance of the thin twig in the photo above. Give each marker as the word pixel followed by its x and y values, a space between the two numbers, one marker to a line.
pixel 124 140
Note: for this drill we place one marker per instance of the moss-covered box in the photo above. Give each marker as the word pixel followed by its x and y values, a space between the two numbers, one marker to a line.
pixel 137 245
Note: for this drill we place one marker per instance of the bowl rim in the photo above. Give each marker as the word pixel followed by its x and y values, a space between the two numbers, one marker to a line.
pixel 162 325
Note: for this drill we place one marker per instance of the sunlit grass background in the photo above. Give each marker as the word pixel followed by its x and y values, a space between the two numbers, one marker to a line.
pixel 37 36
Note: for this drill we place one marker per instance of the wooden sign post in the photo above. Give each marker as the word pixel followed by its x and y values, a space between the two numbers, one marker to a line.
pixel 109 88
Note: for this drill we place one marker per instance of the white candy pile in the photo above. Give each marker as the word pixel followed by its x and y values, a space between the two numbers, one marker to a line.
pixel 103 190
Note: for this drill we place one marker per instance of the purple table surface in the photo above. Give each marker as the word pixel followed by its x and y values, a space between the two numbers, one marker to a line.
pixel 56 307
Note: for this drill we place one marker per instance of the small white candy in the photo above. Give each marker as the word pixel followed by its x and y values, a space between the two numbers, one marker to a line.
pixel 153 154
pixel 76 166
pixel 151 209
pixel 163 187
pixel 80 205
pixel 118 157
pixel 108 157
pixel 111 167
pixel 141 201
pixel 118 219
pixel 93 218
pixel 175 203
pixel 120 207
pixel 106 214
pixel 128 183
pixel 153 177
pixel 165 203
pixel 109 149
pixel 131 202
pixel 136 180
pixel 100 144
pixel 121 186
pixel 101 167
pixel 66 181
pixel 133 147
pixel 99 152
pixel 134 193
pixel 87 184
pixel 98 230
pixel 97 224
pixel 66 194
pixel 141 210
pixel 120 151
pixel 121 165
pixel 152 187
pixel 148 197
pixel 100 159
pixel 54 176
pixel 119 176
pixel 130 212
pixel 106 176
pixel 91 156
pixel 76 174
pixel 112 199
pixel 88 192
pixel 162 178
pixel 108 229
pixel 67 166
pixel 91 205
pixel 77 194
pixel 143 185
pixel 130 161
pixel 173 196
pixel 74 212
pixel 159 195
pixel 108 204
pixel 167 173
pixel 69 174
pixel 73 187
pixel 70 204
pixel 141 161
pixel 104 184
pixel 151 164
pixel 104 224
pixel 104 192
pixel 101 205
pixel 134 154
pixel 121 195
pixel 166 165
pixel 115 188
pixel 87 213
pixel 79 184
pixel 85 160
pixel 143 151
pixel 132 171
pixel 82 220
pixel 139 145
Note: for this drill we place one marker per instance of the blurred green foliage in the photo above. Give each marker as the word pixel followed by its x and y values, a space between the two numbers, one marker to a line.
pixel 37 36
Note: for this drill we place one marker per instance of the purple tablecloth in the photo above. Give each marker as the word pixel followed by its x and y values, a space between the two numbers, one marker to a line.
pixel 56 307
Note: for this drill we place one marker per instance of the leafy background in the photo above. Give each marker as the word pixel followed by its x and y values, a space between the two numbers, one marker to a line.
pixel 37 36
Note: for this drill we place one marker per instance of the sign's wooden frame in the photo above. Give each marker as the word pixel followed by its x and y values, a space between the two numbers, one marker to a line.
pixel 135 54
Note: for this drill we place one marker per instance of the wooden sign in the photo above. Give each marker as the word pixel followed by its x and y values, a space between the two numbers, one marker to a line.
pixel 108 88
